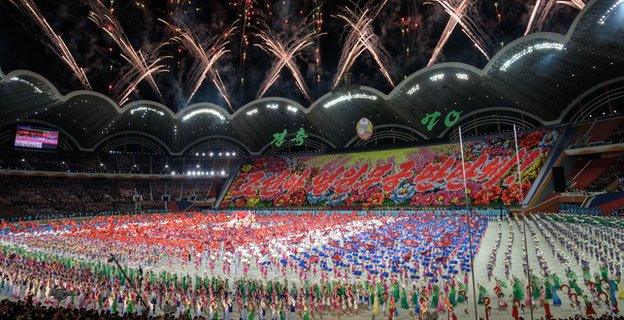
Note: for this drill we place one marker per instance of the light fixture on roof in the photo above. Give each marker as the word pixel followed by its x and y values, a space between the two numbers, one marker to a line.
pixel 536 47
pixel 203 111
pixel 252 112
pixel 413 89
pixel 146 109
pixel 197 166
pixel 291 109
pixel 227 154
pixel 609 12
pixel 437 77
pixel 28 83
pixel 461 76
pixel 348 97
pixel 166 166
pixel 272 106
pixel 211 154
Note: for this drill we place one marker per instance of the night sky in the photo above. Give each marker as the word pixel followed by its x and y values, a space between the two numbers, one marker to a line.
pixel 415 25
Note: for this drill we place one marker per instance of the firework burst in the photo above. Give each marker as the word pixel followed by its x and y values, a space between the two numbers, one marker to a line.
pixel 132 76
pixel 542 10
pixel 206 55
pixel 105 19
pixel 361 38
pixel 462 13
pixel 55 42
pixel 285 53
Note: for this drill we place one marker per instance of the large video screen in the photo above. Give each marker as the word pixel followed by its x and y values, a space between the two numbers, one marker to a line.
pixel 36 138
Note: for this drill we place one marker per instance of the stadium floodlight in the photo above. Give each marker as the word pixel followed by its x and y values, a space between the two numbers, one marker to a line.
pixel 252 112
pixel 101 164
pixel 28 83
pixel 222 172
pixel 291 109
pixel 461 76
pixel 146 109
pixel 413 89
pixel 220 154
pixel 203 111
pixel 609 12
pixel 211 154
pixel 212 173
pixel 272 106
pixel 227 154
pixel 437 77
pixel 203 154
pixel 166 166
pixel 233 154
pixel 348 97
pixel 173 173
pixel 528 50
pixel 197 166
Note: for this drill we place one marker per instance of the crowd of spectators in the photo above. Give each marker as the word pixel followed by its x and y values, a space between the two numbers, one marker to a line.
pixel 614 171
pixel 20 310
pixel 33 195
pixel 617 136
pixel 576 209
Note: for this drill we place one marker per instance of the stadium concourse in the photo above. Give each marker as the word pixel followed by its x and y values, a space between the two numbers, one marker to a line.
pixel 299 160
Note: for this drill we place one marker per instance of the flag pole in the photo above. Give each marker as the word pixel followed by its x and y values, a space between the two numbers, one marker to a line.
pixel 526 245
pixel 469 213
pixel 137 289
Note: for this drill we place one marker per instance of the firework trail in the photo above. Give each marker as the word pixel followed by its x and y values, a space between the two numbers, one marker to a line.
pixel 104 18
pixel 542 9
pixel 206 55
pixel 246 17
pixel 56 43
pixel 470 26
pixel 462 13
pixel 285 53
pixel 361 38
pixel 130 79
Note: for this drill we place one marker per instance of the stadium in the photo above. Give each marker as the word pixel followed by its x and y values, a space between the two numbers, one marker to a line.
pixel 391 159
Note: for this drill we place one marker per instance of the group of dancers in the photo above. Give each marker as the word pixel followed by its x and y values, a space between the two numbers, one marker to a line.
pixel 402 265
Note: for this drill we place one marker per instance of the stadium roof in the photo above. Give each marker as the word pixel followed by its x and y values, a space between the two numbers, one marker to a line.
pixel 539 79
